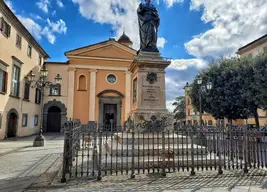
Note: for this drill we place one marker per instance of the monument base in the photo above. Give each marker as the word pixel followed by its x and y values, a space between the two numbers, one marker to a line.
pixel 152 120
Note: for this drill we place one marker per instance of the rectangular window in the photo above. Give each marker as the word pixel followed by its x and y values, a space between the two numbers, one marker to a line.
pixel 38 96
pixel 265 49
pixel 36 120
pixel 27 90
pixel 188 112
pixel 1 117
pixel 18 41
pixel 134 91
pixel 29 52
pixel 15 81
pixel 55 90
pixel 3 78
pixel 5 27
pixel 24 120
pixel 188 101
pixel 40 60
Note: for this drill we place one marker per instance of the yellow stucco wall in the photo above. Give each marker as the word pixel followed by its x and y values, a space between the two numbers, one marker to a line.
pixel 8 49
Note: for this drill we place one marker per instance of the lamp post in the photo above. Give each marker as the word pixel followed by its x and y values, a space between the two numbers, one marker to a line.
pixel 209 87
pixel 41 84
pixel 199 82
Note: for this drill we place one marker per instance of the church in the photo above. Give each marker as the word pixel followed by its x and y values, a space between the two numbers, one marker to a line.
pixel 97 85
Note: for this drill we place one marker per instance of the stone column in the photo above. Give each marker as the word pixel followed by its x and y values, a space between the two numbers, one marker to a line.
pixel 128 86
pixel 71 71
pixel 92 94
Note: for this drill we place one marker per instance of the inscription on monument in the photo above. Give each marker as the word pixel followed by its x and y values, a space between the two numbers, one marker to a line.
pixel 151 95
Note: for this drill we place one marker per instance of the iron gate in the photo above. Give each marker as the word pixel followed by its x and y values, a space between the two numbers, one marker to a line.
pixel 95 151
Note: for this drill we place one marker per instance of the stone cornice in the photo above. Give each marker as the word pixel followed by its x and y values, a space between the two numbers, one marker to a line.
pixel 72 69
pixel 101 58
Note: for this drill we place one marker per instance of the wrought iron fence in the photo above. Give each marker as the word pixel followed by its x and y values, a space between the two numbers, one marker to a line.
pixel 94 151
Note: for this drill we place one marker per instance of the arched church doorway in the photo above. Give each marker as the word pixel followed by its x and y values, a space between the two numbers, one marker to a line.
pixel 12 124
pixel 54 119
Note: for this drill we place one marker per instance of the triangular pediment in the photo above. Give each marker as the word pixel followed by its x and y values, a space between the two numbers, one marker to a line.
pixel 106 49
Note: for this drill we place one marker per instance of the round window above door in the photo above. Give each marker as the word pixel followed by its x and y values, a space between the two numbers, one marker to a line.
pixel 111 79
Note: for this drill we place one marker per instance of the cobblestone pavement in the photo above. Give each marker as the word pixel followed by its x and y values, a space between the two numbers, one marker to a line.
pixel 208 181
pixel 22 165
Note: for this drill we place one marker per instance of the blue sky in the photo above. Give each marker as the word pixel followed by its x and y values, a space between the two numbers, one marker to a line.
pixel 191 31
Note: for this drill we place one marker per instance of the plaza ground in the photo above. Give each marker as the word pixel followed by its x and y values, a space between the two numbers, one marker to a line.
pixel 24 168
pixel 22 165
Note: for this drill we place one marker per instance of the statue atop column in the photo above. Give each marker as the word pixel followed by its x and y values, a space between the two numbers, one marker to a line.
pixel 149 20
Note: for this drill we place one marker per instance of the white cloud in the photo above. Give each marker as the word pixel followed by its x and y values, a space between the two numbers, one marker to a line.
pixel 120 14
pixel 235 23
pixel 183 64
pixel 43 5
pixel 60 4
pixel 34 28
pixel 161 42
pixel 49 31
pixel 58 26
pixel 169 105
pixel 170 3
pixel 54 13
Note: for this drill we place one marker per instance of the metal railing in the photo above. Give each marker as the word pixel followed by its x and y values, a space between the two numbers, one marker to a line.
pixel 95 151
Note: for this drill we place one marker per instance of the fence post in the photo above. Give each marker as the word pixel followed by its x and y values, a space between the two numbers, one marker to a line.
pixel 94 153
pixel 99 177
pixel 163 155
pixel 132 174
pixel 193 173
pixel 65 152
pixel 220 132
pixel 246 154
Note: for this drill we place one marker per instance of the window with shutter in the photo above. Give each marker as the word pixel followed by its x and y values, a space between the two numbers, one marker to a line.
pixel 15 81
pixel 29 53
pixel 5 28
pixel 27 90
pixel 1 24
pixel 3 77
pixel 18 41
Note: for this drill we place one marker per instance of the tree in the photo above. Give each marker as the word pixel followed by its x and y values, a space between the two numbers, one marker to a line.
pixel 225 98
pixel 179 111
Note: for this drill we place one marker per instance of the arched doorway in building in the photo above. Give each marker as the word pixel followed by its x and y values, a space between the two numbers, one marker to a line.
pixel 110 108
pixel 12 123
pixel 53 119
pixel 55 115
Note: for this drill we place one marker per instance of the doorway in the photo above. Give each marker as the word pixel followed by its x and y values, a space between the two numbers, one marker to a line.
pixel 53 119
pixel 12 125
pixel 110 116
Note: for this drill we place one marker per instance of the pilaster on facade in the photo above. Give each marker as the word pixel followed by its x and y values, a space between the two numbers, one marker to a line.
pixel 128 85
pixel 92 101
pixel 71 71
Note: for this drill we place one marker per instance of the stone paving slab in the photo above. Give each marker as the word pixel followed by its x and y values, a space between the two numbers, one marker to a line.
pixel 233 181
pixel 21 164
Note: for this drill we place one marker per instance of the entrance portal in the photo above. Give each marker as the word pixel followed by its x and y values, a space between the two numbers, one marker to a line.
pixel 110 116
pixel 53 119
pixel 12 125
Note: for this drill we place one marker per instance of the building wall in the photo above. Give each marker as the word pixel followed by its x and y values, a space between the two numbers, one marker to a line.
pixel 8 49
pixel 255 50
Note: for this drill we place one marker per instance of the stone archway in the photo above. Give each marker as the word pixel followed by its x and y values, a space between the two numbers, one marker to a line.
pixel 12 123
pixel 110 101
pixel 63 113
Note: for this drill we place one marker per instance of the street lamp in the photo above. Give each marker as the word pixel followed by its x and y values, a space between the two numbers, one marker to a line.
pixel 202 88
pixel 209 85
pixel 41 83
pixel 199 82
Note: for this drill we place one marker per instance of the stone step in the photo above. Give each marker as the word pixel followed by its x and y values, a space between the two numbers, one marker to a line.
pixel 150 138
pixel 114 148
